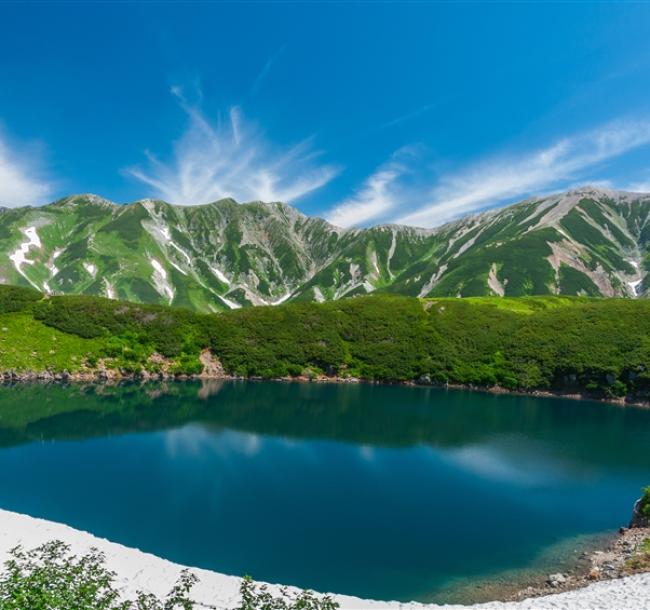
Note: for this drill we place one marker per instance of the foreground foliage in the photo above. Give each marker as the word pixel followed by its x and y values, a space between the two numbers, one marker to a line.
pixel 644 504
pixel 50 577
pixel 258 597
pixel 640 561
pixel 599 347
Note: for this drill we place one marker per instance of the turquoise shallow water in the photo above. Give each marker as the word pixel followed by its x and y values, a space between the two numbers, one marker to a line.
pixel 379 491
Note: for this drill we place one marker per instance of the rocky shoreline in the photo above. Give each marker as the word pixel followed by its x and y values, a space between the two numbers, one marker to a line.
pixel 622 556
pixel 212 369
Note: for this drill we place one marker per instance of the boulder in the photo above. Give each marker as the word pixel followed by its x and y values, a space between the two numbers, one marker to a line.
pixel 555 580
pixel 639 520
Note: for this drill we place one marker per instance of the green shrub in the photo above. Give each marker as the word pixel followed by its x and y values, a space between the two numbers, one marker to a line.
pixel 258 597
pixel 17 298
pixel 187 364
pixel 49 577
pixel 644 505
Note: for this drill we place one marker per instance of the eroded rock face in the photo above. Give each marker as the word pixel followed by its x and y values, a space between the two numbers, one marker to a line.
pixel 638 519
pixel 212 367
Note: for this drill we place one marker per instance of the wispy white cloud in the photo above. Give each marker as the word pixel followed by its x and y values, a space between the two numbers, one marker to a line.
pixel 497 180
pixel 408 116
pixel 213 160
pixel 264 72
pixel 374 199
pixel 21 177
pixel 380 193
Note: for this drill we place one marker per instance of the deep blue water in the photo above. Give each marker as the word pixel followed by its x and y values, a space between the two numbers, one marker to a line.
pixel 378 491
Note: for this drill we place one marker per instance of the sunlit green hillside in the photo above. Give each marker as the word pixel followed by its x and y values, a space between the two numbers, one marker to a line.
pixel 226 255
pixel 599 347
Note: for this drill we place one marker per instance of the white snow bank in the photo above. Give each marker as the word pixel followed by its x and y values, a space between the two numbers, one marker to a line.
pixel 141 571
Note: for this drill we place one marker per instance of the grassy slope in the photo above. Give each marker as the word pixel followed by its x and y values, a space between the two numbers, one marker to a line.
pixel 27 344
pixel 596 346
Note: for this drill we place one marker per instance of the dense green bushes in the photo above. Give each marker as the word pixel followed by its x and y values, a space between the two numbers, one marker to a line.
pixel 596 346
pixel 16 298
pixel 169 331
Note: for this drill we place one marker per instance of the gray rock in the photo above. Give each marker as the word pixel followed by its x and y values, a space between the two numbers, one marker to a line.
pixel 639 520
pixel 555 580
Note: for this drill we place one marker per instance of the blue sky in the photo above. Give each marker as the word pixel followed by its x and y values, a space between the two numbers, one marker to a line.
pixel 359 112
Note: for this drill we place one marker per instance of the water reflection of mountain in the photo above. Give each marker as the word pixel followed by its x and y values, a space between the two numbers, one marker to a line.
pixel 394 416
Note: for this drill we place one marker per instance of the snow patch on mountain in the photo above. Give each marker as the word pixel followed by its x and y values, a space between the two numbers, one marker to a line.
pixel 161 281
pixel 374 261
pixel 219 275
pixel 282 299
pixel 426 289
pixel 51 266
pixel 229 303
pixel 160 231
pixel 391 252
pixel 90 268
pixel 109 290
pixel 19 257
pixel 494 283
pixel 634 286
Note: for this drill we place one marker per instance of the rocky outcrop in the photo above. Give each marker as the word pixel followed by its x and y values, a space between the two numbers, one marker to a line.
pixel 638 518
pixel 212 367
pixel 158 367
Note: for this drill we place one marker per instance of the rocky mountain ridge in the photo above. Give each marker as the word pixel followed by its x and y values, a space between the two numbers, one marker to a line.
pixel 225 255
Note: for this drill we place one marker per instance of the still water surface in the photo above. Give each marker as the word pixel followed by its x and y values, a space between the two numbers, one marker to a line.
pixel 378 491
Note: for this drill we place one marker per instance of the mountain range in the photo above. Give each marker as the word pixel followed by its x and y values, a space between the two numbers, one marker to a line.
pixel 226 255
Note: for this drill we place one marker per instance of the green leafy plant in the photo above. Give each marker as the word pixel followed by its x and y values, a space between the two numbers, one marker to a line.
pixel 644 504
pixel 258 597
pixel 50 577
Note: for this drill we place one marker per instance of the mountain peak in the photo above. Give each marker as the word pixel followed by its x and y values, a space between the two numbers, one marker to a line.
pixel 85 198
pixel 586 241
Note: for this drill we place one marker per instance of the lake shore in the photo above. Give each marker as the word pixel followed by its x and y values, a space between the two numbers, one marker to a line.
pixel 611 561
pixel 136 571
pixel 214 372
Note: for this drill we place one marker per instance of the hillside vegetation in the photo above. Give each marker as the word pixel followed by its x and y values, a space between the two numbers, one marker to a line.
pixel 225 255
pixel 599 347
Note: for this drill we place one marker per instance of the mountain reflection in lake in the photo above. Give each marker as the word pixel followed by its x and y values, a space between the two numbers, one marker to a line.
pixel 377 491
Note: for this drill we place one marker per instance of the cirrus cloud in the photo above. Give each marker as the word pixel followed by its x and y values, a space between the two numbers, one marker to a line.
pixel 495 181
pixel 215 160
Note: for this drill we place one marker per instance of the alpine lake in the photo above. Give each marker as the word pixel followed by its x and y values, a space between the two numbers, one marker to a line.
pixel 379 491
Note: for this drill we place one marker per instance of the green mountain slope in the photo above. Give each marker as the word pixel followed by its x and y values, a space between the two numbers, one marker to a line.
pixel 596 347
pixel 226 255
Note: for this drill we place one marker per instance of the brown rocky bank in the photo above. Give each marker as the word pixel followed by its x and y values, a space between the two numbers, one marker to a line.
pixel 213 369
